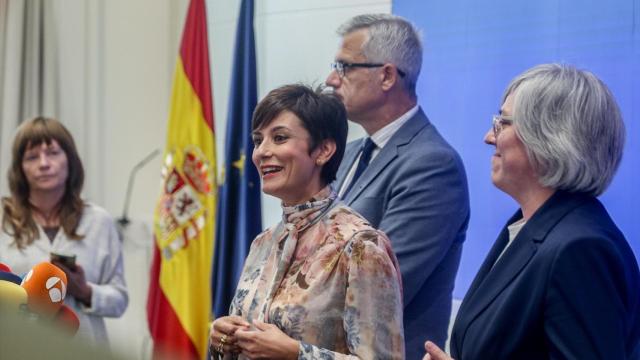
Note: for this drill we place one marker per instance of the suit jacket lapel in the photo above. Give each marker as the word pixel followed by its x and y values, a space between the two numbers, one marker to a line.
pixel 403 136
pixel 492 256
pixel 491 279
pixel 386 155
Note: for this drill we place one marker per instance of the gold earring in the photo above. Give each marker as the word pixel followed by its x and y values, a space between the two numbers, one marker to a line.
pixel 319 162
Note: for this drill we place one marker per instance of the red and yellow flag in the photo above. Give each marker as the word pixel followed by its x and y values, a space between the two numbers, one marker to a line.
pixel 179 301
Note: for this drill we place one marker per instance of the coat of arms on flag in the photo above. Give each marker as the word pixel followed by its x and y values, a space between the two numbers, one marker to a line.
pixel 187 177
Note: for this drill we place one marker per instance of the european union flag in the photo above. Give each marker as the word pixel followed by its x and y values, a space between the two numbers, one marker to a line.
pixel 239 214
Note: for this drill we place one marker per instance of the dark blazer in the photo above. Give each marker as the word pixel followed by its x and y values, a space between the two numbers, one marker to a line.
pixel 415 190
pixel 567 287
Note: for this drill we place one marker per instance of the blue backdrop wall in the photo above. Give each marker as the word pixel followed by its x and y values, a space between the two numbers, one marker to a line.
pixel 472 50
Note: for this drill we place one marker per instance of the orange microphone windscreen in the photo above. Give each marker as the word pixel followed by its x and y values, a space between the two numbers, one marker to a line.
pixel 46 287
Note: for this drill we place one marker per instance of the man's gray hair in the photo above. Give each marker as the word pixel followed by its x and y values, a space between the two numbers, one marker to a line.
pixel 392 39
pixel 570 125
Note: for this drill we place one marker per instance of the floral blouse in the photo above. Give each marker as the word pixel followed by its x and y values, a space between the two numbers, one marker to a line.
pixel 325 277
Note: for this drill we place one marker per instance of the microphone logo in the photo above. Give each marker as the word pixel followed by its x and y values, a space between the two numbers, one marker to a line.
pixel 56 293
pixel 46 287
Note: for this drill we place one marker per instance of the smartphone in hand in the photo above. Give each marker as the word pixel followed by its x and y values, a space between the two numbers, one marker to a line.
pixel 65 259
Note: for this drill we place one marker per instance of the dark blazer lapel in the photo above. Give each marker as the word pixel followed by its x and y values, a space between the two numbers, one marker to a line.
pixel 492 256
pixel 467 311
pixel 391 150
pixel 496 278
pixel 492 280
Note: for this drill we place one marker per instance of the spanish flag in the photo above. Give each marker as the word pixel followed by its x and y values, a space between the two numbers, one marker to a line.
pixel 179 300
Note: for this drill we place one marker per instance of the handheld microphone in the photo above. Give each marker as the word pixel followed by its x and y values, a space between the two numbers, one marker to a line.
pixel 10 277
pixel 46 287
pixel 5 268
pixel 67 319
pixel 12 295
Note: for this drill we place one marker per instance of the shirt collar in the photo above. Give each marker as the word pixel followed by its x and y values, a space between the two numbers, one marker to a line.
pixel 382 136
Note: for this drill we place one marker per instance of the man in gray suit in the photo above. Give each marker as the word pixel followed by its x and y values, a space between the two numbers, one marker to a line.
pixel 404 177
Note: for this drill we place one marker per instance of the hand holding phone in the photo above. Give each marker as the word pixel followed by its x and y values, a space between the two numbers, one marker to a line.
pixel 65 259
pixel 77 285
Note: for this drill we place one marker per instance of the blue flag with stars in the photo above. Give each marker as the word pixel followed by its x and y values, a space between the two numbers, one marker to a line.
pixel 239 214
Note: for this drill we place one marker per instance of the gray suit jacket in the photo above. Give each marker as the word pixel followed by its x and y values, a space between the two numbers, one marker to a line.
pixel 415 190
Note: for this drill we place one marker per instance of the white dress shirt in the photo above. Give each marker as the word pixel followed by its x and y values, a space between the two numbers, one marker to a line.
pixel 380 138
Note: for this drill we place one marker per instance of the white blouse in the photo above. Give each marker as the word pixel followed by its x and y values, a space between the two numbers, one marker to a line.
pixel 100 255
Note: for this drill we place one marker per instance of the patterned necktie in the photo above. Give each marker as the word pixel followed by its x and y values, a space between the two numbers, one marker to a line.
pixel 365 157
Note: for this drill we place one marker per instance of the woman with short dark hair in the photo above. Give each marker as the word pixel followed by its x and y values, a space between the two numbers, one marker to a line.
pixel 322 283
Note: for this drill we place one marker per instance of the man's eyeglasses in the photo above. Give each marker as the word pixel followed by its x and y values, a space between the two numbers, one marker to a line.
pixel 341 67
pixel 498 122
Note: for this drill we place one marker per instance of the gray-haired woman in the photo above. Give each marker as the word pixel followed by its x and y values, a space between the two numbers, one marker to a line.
pixel 561 280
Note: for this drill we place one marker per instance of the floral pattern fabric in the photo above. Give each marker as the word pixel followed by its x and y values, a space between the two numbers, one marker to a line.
pixel 325 277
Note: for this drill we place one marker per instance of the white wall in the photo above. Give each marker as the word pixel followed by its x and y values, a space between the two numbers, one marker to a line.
pixel 115 69
pixel 141 40
pixel 138 46
pixel 295 42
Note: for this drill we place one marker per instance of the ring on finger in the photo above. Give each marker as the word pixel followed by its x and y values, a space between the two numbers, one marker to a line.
pixel 223 340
